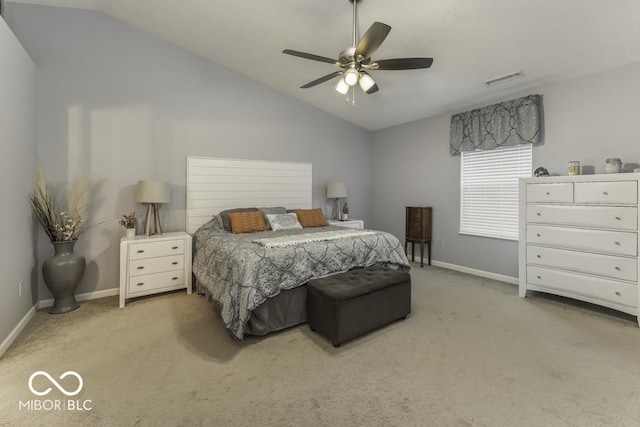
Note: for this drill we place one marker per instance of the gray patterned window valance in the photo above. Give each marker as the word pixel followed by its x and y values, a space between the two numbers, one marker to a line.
pixel 509 123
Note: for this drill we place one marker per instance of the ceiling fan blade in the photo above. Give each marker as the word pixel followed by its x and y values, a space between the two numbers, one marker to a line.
pixel 310 56
pixel 402 64
pixel 321 80
pixel 372 40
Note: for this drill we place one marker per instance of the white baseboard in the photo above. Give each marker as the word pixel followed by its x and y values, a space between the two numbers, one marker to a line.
pixel 83 297
pixel 49 303
pixel 475 272
pixel 16 331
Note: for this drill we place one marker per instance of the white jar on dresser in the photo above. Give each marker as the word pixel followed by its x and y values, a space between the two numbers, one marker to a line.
pixel 579 238
pixel 154 264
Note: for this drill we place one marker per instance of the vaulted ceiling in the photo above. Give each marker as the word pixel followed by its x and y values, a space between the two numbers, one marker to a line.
pixel 471 41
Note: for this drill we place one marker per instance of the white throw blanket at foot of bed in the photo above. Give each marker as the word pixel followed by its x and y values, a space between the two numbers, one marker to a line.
pixel 282 241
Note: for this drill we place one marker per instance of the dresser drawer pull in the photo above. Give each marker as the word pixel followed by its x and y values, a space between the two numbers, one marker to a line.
pixel 538 213
pixel 174 263
pixel 618 218
pixel 140 268
pixel 618 293
pixel 175 247
pixel 618 269
pixel 174 278
pixel 605 193
pixel 538 234
pixel 547 193
pixel 539 277
pixel 617 243
pixel 539 256
pixel 140 251
pixel 140 283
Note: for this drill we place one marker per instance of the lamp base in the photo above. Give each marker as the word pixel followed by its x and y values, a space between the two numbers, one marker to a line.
pixel 153 215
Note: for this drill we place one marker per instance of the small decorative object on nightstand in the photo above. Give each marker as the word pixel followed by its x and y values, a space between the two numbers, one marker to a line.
pixel 150 265
pixel 352 223
pixel 418 230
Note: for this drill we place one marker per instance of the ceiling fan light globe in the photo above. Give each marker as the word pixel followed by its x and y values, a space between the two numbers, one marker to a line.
pixel 366 82
pixel 342 87
pixel 351 77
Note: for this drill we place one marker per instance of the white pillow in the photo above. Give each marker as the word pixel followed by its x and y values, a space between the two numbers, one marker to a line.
pixel 287 221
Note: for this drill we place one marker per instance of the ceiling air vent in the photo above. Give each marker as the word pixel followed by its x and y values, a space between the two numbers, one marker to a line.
pixel 505 78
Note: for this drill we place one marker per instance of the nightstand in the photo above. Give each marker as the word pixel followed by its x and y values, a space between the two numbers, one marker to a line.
pixel 154 264
pixel 350 223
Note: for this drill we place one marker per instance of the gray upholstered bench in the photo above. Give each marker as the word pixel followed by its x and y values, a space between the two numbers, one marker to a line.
pixel 347 305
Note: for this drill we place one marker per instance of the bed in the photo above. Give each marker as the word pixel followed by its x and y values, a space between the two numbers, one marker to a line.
pixel 258 279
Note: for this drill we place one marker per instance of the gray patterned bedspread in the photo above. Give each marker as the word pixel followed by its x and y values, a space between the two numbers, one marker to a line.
pixel 241 274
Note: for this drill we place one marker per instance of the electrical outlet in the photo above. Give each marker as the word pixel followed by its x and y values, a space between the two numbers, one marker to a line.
pixel 440 244
pixel 20 288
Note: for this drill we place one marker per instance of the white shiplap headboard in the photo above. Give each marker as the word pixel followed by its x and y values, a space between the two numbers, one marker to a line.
pixel 216 184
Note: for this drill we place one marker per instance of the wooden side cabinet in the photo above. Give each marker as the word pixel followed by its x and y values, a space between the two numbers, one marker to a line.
pixel 154 264
pixel 418 230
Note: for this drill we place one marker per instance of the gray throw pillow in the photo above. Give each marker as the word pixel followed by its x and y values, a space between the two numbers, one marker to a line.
pixel 273 210
pixel 226 222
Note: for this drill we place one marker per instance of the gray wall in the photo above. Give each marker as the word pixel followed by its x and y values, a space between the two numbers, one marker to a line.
pixel 587 119
pixel 119 105
pixel 17 167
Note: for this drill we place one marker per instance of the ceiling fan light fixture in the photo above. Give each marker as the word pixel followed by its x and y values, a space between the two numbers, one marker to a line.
pixel 366 82
pixel 351 77
pixel 342 87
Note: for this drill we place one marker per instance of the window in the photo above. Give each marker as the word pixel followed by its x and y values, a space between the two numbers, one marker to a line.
pixel 489 190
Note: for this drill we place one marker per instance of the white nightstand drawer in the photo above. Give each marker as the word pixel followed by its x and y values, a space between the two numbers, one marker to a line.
pixel 603 265
pixel 588 286
pixel 154 282
pixel 606 192
pixel 615 242
pixel 557 192
pixel 350 223
pixel 156 249
pixel 140 267
pixel 622 218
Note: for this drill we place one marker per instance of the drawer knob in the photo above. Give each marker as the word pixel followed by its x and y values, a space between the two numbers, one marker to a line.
pixel 605 193
pixel 618 218
pixel 538 213
pixel 140 283
pixel 618 293
pixel 175 247
pixel 538 234
pixel 618 268
pixel 174 263
pixel 174 278
pixel 140 251
pixel 539 256
pixel 140 268
pixel 617 243
pixel 547 193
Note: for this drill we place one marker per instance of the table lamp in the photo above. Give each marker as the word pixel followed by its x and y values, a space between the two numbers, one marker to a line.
pixel 152 193
pixel 336 190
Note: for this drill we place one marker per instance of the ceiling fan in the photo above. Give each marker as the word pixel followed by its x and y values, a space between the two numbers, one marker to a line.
pixel 356 59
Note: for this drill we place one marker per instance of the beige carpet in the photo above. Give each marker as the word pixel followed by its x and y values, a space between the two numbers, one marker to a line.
pixel 471 354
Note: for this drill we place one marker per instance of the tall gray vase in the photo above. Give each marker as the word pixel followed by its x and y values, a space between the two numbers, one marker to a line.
pixel 62 274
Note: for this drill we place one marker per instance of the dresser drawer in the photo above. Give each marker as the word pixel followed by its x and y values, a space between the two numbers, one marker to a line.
pixel 622 218
pixel 603 265
pixel 140 267
pixel 151 283
pixel 561 192
pixel 615 242
pixel 588 286
pixel 606 192
pixel 156 249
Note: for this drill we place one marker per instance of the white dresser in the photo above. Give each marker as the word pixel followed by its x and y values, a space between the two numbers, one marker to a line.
pixel 154 264
pixel 579 238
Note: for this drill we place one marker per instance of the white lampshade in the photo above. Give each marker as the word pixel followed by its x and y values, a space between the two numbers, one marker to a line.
pixel 342 87
pixel 153 192
pixel 351 77
pixel 336 190
pixel 366 82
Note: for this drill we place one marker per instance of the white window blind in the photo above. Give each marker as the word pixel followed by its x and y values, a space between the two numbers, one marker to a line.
pixel 489 190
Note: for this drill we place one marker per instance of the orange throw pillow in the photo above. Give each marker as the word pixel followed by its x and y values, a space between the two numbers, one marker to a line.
pixel 311 217
pixel 247 222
